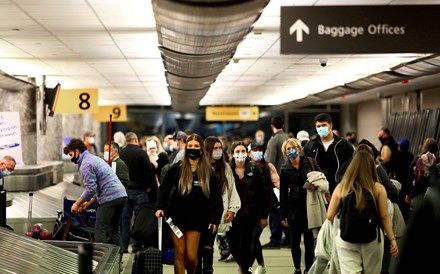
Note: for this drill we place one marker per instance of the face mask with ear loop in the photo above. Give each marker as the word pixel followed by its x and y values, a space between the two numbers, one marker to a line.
pixel 75 159
pixel 240 157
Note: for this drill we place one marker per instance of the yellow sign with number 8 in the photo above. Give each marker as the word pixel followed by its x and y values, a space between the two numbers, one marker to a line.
pixel 77 101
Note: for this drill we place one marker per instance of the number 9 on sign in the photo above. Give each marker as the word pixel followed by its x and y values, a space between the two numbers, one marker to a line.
pixel 118 112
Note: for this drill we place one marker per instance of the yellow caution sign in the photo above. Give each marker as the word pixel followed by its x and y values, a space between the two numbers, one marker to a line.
pixel 77 101
pixel 231 113
pixel 118 112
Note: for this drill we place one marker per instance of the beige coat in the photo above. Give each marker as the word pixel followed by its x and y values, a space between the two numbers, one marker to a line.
pixel 316 201
pixel 231 200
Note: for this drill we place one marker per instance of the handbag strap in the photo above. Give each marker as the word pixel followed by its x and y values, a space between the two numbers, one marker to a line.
pixel 69 223
pixel 87 225
pixel 67 227
pixel 312 164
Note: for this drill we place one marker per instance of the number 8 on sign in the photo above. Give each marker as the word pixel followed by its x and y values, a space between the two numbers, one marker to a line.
pixel 84 100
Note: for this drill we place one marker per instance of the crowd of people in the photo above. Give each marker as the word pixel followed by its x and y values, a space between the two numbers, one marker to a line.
pixel 210 189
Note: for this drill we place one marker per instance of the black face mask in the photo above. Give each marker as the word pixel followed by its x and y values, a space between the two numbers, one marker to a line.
pixel 75 159
pixel 352 140
pixel 193 153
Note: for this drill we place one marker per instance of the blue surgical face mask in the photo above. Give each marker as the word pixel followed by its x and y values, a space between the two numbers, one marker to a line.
pixel 257 155
pixel 6 173
pixel 165 146
pixel 323 131
pixel 292 154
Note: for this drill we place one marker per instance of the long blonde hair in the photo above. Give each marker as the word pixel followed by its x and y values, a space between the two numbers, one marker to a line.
pixel 360 177
pixel 204 170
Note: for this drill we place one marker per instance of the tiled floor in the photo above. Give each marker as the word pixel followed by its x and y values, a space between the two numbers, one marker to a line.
pixel 277 261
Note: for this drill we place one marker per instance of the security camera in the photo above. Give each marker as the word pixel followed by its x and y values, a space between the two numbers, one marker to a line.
pixel 323 62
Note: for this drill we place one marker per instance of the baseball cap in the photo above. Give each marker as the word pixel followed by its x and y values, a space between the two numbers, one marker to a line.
pixel 302 135
pixel 180 135
pixel 253 146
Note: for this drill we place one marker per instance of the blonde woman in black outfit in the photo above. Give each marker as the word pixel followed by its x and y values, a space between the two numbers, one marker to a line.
pixel 190 196
pixel 250 184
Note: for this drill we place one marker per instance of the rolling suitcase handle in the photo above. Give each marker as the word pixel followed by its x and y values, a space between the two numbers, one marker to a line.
pixel 31 195
pixel 159 230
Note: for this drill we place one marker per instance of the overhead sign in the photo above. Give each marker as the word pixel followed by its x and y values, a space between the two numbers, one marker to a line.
pixel 118 112
pixel 231 114
pixel 77 101
pixel 360 29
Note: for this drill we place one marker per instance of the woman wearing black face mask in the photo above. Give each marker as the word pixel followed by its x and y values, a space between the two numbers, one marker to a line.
pixel 190 196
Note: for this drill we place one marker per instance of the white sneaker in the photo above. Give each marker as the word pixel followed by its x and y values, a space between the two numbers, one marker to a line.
pixel 260 270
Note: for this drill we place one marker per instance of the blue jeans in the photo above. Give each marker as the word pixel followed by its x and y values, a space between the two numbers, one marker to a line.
pixel 135 199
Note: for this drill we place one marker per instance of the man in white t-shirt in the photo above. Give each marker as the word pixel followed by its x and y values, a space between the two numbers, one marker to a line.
pixel 329 151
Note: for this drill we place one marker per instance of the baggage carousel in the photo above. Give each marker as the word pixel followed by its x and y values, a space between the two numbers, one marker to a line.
pixel 46 202
pixel 23 254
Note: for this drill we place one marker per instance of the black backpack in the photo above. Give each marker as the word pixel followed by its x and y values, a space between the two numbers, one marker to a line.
pixel 359 226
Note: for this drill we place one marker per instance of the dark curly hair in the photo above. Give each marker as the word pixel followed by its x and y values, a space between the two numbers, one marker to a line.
pixel 75 144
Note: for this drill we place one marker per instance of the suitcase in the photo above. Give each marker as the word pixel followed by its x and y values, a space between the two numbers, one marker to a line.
pixel 149 261
pixel 36 231
pixel 75 226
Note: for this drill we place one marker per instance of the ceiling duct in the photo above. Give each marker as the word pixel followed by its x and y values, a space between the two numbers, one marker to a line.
pixel 376 80
pixel 198 39
pixel 194 65
pixel 335 92
pixel 419 67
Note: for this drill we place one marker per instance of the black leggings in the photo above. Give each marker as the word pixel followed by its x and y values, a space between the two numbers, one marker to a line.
pixel 257 250
pixel 296 230
pixel 240 239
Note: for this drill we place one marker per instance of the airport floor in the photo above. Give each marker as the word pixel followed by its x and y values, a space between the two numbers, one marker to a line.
pixel 277 261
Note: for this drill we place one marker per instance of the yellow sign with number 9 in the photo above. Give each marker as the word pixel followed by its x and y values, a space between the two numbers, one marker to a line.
pixel 118 112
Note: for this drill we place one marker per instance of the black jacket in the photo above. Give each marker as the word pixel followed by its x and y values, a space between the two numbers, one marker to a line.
pixel 255 188
pixel 292 192
pixel 139 166
pixel 331 160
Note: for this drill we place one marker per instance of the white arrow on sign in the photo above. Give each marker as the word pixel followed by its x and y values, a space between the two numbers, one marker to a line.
pixel 299 27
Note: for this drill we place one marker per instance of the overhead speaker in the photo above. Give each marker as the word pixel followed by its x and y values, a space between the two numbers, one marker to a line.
pixel 51 97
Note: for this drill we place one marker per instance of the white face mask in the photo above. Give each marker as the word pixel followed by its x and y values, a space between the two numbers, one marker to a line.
pixel 259 140
pixel 106 154
pixel 217 154
pixel 240 157
pixel 91 140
